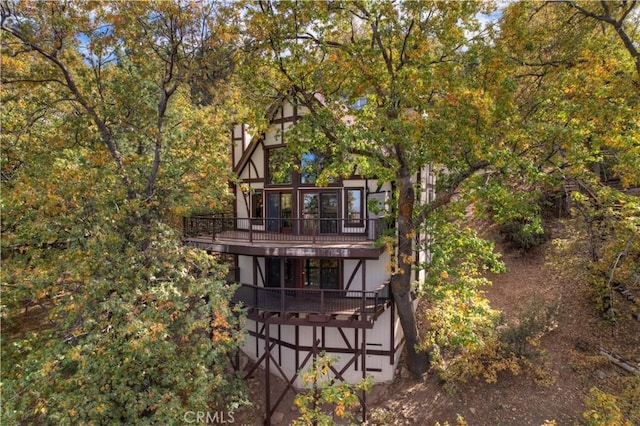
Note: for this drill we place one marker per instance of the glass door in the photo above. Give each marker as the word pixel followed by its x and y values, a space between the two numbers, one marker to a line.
pixel 279 212
pixel 320 212
pixel 279 269
pixel 328 213
pixel 310 210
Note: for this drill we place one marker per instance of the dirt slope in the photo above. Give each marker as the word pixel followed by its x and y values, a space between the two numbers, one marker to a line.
pixel 572 364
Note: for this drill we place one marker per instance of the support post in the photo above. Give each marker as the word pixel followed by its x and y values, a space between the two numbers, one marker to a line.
pixel 364 374
pixel 267 376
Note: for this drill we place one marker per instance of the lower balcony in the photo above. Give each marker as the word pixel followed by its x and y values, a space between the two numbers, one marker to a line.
pixel 305 306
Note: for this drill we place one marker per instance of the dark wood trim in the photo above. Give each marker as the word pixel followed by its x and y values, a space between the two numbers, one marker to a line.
pixel 353 274
pixel 279 346
pixel 233 147
pixel 297 348
pixel 364 274
pixel 283 120
pixel 252 180
pixel 248 153
pixel 392 334
pixel 297 345
pixel 233 188
pixel 364 366
pixel 344 338
pixel 255 170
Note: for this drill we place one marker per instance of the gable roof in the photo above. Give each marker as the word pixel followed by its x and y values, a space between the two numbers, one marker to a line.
pixel 257 139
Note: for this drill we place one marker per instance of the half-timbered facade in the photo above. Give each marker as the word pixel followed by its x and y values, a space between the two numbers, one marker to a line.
pixel 311 277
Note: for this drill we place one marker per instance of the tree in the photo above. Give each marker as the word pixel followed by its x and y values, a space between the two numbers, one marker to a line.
pixel 405 58
pixel 620 15
pixel 576 79
pixel 102 145
pixel 506 114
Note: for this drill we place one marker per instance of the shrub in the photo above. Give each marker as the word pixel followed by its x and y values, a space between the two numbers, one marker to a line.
pixel 536 319
pixel 604 409
pixel 328 399
pixel 524 234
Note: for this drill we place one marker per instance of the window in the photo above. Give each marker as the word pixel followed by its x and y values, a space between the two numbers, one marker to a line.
pixel 282 271
pixel 310 168
pixel 320 211
pixel 353 206
pixel 278 168
pixel 279 212
pixel 311 165
pixel 257 207
pixel 359 103
pixel 322 273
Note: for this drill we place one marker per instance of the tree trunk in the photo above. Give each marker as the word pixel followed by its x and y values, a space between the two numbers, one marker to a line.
pixel 417 361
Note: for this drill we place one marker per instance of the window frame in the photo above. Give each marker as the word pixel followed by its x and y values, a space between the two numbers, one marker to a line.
pixel 269 152
pixel 347 220
pixel 255 219
pixel 322 269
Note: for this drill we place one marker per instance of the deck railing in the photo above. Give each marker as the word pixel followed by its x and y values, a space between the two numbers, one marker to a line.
pixel 313 300
pixel 288 229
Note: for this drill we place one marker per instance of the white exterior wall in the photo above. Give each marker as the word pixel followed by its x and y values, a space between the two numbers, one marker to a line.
pixel 273 136
pixel 377 338
pixel 238 146
pixel 376 271
pixel 242 203
pixel 427 195
pixel 245 264
pixel 379 367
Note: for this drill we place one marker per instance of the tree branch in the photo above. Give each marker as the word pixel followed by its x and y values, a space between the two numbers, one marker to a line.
pixel 617 24
pixel 70 84
pixel 444 197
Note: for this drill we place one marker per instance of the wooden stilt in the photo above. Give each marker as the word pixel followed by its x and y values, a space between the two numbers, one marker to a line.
pixel 267 376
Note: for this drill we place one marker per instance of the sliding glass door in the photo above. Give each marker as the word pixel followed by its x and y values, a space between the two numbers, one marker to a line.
pixel 320 211
pixel 279 212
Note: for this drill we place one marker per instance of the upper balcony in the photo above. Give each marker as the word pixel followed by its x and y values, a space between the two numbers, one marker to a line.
pixel 285 237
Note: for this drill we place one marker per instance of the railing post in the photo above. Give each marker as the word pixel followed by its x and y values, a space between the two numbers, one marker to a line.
pixel 213 226
pixel 315 230
pixel 251 230
pixel 256 303
pixel 362 301
pixel 281 300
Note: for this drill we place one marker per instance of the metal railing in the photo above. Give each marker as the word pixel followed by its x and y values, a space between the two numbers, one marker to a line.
pixel 282 229
pixel 313 300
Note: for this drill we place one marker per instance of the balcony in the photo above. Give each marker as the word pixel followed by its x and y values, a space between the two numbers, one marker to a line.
pixel 311 305
pixel 290 237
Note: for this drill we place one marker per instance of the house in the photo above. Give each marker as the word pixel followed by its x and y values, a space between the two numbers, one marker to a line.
pixel 311 275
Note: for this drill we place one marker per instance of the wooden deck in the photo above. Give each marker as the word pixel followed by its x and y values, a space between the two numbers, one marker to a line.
pixel 301 238
pixel 316 305
pixel 293 247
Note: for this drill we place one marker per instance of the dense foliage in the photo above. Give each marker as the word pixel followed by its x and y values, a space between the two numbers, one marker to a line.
pixel 114 123
pixel 102 146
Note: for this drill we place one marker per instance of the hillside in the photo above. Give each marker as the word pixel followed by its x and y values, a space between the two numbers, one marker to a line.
pixel 570 352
